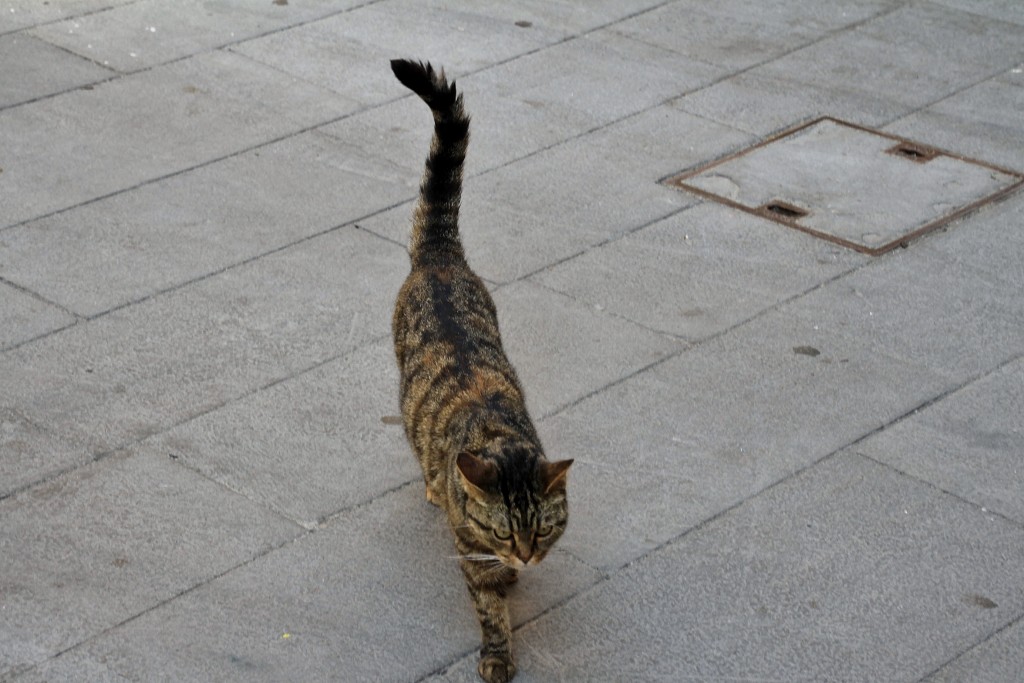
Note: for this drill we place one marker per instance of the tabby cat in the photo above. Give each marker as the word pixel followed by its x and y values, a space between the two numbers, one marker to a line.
pixel 462 405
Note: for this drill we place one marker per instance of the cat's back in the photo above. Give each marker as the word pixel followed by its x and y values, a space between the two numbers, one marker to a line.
pixel 446 309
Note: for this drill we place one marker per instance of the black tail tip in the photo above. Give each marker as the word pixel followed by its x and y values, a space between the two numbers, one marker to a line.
pixel 417 76
pixel 430 85
pixel 405 67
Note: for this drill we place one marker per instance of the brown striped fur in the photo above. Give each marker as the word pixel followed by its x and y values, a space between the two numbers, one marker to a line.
pixel 462 404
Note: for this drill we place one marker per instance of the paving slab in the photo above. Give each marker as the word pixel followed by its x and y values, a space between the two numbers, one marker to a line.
pixel 582 192
pixel 980 122
pixel 30 453
pixel 111 540
pixel 679 443
pixel 738 35
pixel 24 316
pixel 109 253
pixel 997 9
pixel 18 14
pixel 142 34
pixel 989 242
pixel 389 142
pixel 375 595
pixel 143 369
pixel 310 445
pixel 921 306
pixel 345 53
pixel 563 349
pixel 712 268
pixel 970 443
pixel 36 69
pixel 950 36
pixel 847 572
pixel 568 85
pixel 90 143
pixel 641 149
pixel 915 54
pixel 998 659
pixel 564 16
pixel 886 68
pixel 762 104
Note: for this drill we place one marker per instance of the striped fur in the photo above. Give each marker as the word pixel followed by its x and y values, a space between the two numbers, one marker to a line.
pixel 462 404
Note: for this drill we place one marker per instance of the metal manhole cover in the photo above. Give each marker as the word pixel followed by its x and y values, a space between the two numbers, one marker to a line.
pixel 861 188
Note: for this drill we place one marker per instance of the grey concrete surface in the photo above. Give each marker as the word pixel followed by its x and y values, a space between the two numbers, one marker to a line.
pixel 145 33
pixel 978 122
pixel 793 461
pixel 38 61
pixel 968 443
pixel 707 272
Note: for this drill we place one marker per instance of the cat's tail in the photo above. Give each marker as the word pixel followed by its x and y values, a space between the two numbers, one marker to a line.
pixel 436 217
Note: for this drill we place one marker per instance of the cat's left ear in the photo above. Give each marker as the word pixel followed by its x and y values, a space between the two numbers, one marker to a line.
pixel 553 475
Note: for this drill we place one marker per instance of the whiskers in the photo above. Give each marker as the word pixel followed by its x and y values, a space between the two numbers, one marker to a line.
pixel 478 557
pixel 486 566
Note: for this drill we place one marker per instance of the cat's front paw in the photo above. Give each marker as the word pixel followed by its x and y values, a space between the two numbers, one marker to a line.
pixel 510 576
pixel 433 498
pixel 495 669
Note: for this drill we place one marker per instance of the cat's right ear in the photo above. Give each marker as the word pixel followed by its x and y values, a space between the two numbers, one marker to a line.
pixel 553 475
pixel 478 475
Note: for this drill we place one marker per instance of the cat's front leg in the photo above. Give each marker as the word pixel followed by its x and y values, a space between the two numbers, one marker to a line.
pixel 488 593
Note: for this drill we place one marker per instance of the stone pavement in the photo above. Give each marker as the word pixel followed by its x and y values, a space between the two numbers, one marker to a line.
pixel 794 461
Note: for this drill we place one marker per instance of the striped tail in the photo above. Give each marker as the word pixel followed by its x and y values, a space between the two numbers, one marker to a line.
pixel 435 229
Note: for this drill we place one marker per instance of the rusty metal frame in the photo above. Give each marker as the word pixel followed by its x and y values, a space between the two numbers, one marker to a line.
pixel 924 153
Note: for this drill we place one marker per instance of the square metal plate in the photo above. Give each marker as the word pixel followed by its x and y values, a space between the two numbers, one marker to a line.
pixel 858 187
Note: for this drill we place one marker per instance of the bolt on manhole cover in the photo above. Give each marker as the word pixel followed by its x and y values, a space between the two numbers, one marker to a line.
pixel 861 188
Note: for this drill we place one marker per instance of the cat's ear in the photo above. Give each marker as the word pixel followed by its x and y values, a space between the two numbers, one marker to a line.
pixel 478 475
pixel 553 475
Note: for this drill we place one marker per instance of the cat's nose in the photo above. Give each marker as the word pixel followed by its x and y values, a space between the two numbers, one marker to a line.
pixel 524 553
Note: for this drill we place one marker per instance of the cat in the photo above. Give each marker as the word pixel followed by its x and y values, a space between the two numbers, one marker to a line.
pixel 462 405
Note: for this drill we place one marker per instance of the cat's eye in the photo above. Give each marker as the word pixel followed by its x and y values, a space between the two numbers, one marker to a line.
pixel 545 531
pixel 501 535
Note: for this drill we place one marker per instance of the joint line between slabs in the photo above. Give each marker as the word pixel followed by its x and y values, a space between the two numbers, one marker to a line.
pixel 936 487
pixel 39 297
pixel 935 400
pixel 825 36
pixel 166 601
pixel 1009 624
pixel 928 105
pixel 697 343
